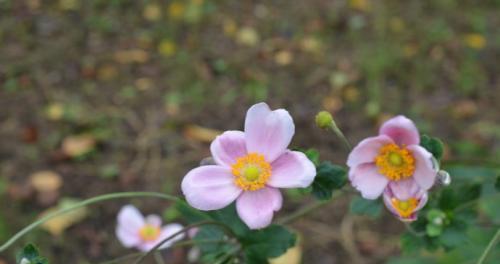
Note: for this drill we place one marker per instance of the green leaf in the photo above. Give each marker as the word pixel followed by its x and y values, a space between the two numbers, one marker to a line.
pixel 497 183
pixel 229 216
pixel 433 145
pixel 30 255
pixel 266 243
pixel 360 206
pixel 453 237
pixel 489 206
pixel 410 243
pixel 313 155
pixel 433 230
pixel 329 177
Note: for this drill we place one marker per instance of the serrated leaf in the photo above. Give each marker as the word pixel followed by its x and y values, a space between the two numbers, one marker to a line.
pixel 329 177
pixel 270 242
pixel 360 206
pixel 433 145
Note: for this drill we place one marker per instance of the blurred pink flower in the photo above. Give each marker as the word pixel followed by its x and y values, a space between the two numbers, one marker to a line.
pixel 143 233
pixel 394 155
pixel 404 199
pixel 250 167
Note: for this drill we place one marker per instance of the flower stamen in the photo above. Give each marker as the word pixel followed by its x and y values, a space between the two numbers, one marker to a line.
pixel 395 163
pixel 149 232
pixel 405 208
pixel 251 172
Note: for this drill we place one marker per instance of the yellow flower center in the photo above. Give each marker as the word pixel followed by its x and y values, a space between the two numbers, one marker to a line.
pixel 395 163
pixel 149 232
pixel 251 172
pixel 405 208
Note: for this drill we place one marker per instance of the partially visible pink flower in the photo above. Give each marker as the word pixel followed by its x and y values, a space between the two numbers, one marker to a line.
pixel 394 155
pixel 250 167
pixel 404 199
pixel 143 233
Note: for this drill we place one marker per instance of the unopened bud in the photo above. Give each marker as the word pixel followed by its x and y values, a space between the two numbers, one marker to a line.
pixel 444 177
pixel 324 120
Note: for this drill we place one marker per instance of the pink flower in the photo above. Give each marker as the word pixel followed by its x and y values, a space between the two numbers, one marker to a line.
pixel 135 230
pixel 404 199
pixel 250 167
pixel 394 155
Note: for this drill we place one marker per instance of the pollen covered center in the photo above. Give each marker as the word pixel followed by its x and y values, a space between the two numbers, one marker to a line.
pixel 395 163
pixel 251 172
pixel 149 232
pixel 405 208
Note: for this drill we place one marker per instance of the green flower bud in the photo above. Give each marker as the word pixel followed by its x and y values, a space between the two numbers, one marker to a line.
pixel 324 120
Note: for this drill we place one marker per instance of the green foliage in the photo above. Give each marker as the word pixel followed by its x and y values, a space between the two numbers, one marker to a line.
pixel 360 206
pixel 30 255
pixel 313 155
pixel 329 177
pixel 433 145
pixel 267 243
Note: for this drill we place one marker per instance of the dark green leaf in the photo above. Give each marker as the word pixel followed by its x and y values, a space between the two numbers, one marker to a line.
pixel 497 183
pixel 469 192
pixel 433 145
pixel 229 217
pixel 329 177
pixel 448 200
pixel 266 243
pixel 30 253
pixel 453 237
pixel 362 206
pixel 190 214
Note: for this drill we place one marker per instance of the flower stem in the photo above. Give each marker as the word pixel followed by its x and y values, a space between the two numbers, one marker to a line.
pixel 490 246
pixel 83 203
pixel 341 135
pixel 306 210
pixel 226 229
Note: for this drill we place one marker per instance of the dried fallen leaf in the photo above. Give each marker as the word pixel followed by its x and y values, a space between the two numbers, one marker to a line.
pixel 75 146
pixel 131 56
pixel 54 111
pixel 166 48
pixel 475 41
pixel 283 57
pixel 57 225
pixel 199 133
pixel 152 12
pixel 46 181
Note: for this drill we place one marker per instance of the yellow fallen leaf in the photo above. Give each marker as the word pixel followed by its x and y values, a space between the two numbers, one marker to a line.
pixel 283 57
pixel 166 48
pixel 361 5
pixel 107 72
pixel 75 146
pixel 475 41
pixel 229 27
pixel 200 133
pixel 55 111
pixel 292 255
pixel 57 225
pixel 247 36
pixel 311 44
pixel 152 12
pixel 144 84
pixel 69 4
pixel 176 10
pixel 46 181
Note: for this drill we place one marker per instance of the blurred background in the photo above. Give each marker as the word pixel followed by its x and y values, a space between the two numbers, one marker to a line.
pixel 101 96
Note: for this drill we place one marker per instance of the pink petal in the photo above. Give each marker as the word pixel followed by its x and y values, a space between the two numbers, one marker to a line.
pixel 425 173
pixel 422 201
pixel 126 237
pixel 268 132
pixel 130 218
pixel 168 231
pixel 228 147
pixel 366 179
pixel 367 150
pixel 402 130
pixel 404 189
pixel 154 220
pixel 256 208
pixel 210 187
pixel 388 203
pixel 292 170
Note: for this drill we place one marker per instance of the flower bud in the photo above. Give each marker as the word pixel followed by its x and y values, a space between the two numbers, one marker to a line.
pixel 324 120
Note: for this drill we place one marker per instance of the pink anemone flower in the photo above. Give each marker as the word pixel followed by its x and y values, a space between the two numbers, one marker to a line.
pixel 404 199
pixel 143 233
pixel 250 167
pixel 394 155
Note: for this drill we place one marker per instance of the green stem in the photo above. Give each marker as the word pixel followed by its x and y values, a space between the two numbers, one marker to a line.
pixel 341 135
pixel 228 255
pixel 83 203
pixel 227 230
pixel 306 210
pixel 490 246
